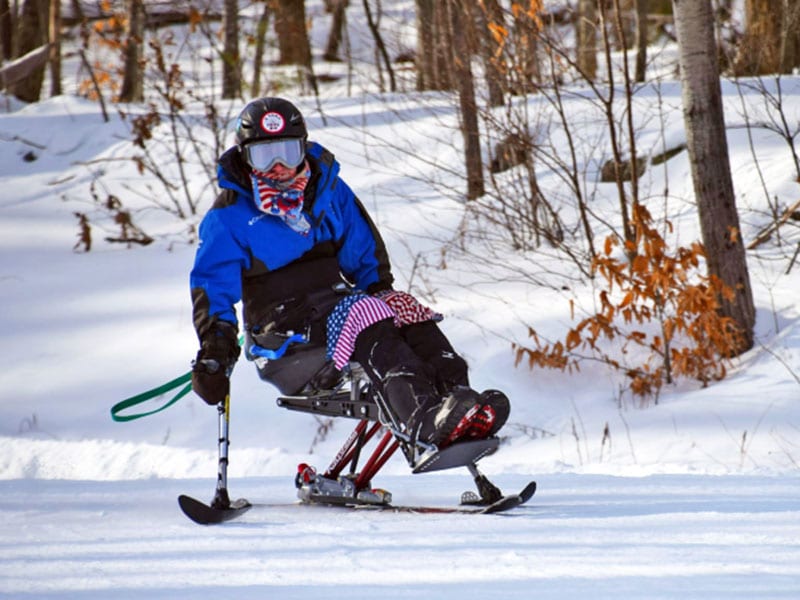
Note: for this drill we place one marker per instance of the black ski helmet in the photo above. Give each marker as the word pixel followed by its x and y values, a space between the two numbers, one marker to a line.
pixel 269 119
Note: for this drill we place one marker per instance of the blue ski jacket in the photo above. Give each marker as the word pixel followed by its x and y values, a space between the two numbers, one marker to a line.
pixel 282 277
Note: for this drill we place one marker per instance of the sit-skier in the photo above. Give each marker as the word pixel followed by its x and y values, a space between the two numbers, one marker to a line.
pixel 283 234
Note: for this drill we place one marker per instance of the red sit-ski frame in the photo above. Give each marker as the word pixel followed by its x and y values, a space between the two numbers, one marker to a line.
pixel 351 451
pixel 365 404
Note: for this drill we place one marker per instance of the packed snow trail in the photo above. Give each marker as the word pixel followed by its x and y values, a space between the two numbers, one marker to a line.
pixel 680 536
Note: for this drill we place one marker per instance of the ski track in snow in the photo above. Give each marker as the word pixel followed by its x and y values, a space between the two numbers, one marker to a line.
pixel 589 536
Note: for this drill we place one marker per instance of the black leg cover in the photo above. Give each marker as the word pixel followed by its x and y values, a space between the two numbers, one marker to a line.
pixel 405 379
pixel 430 344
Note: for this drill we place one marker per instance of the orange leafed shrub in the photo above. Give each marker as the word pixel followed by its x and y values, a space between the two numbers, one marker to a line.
pixel 658 302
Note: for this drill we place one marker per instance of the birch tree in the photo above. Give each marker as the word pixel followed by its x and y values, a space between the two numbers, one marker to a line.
pixel 710 166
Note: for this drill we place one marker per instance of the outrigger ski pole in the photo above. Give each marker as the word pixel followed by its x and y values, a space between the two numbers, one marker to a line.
pixel 221 508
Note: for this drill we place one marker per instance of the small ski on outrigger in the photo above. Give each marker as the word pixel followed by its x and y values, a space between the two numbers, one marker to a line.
pixel 353 490
pixel 221 508
pixel 205 514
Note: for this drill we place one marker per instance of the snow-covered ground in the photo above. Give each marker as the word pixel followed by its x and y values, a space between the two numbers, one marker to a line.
pixel 585 536
pixel 695 497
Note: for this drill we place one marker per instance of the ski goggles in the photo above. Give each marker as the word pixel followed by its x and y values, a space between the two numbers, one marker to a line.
pixel 290 152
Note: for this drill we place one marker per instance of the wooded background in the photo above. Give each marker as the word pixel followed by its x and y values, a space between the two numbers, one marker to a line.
pixel 486 54
pixel 767 41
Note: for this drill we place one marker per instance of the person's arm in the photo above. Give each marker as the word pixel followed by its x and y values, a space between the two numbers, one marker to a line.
pixel 216 278
pixel 216 287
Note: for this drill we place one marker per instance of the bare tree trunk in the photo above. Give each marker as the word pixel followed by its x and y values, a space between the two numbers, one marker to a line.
pixel 338 8
pixel 293 43
pixel 231 62
pixel 442 47
pixel 641 39
pixel 133 77
pixel 495 79
pixel 586 31
pixel 760 48
pixel 54 36
pixel 258 59
pixel 708 153
pixel 466 95
pixel 434 46
pixel 425 49
pixel 526 32
pixel 290 27
pixel 790 36
pixel 30 35
pixel 6 31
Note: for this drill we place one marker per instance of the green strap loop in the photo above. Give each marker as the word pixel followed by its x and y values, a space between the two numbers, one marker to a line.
pixel 150 394
pixel 186 378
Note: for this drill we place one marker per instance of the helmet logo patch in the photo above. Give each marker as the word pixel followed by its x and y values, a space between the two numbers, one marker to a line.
pixel 273 122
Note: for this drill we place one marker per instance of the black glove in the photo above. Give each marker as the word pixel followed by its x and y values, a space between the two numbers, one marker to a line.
pixel 212 368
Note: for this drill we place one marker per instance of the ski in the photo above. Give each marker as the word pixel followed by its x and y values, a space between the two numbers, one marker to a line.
pixel 221 508
pixel 505 503
pixel 512 500
pixel 203 514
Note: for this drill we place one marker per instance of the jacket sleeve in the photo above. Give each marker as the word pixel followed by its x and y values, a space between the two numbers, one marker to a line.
pixel 362 252
pixel 216 278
